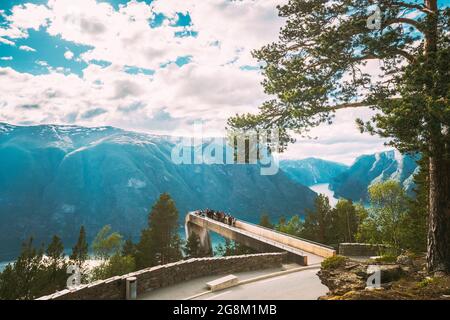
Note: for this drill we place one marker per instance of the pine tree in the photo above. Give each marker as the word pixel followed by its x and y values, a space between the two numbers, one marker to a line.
pixel 163 223
pixel 145 252
pixel 23 279
pixel 192 247
pixel 55 249
pixel 129 248
pixel 55 273
pixel 317 225
pixel 265 221
pixel 318 67
pixel 80 250
pixel 160 242
pixel 414 226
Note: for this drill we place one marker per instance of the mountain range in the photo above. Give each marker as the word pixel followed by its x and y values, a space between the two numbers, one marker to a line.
pixel 311 171
pixel 53 179
pixel 369 169
pixel 352 182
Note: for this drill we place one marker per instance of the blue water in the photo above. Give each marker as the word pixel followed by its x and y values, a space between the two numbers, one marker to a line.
pixel 215 241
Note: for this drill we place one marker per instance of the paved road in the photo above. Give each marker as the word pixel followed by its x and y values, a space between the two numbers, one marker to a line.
pixel 192 287
pixel 303 285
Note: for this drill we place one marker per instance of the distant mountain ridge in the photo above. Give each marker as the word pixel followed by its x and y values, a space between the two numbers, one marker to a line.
pixel 55 178
pixel 369 169
pixel 312 171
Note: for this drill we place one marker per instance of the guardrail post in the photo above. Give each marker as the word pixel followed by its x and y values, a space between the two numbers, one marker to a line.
pixel 131 288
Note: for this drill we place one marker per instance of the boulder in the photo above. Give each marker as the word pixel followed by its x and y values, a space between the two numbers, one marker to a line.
pixel 389 272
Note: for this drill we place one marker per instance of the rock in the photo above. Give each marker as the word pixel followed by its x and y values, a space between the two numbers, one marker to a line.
pixel 389 272
pixel 340 281
pixel 404 259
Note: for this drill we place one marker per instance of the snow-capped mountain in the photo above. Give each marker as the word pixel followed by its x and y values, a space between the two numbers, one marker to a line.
pixel 368 169
pixel 55 178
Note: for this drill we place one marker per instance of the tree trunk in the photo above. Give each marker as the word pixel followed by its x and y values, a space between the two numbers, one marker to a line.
pixel 438 243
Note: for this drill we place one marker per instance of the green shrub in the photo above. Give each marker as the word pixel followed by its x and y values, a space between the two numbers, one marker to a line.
pixel 386 258
pixel 333 262
pixel 426 282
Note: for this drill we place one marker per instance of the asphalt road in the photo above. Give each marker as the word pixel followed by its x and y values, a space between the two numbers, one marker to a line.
pixel 302 285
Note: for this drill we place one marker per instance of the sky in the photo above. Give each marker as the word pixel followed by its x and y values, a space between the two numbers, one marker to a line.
pixel 151 66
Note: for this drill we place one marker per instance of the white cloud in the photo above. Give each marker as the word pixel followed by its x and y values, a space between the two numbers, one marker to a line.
pixel 27 48
pixel 210 88
pixel 6 41
pixel 6 58
pixel 340 141
pixel 28 16
pixel 68 55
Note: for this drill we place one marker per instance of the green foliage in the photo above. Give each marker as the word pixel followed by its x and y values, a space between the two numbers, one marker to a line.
pixel 160 242
pixel 387 212
pixel 265 221
pixel 318 67
pixel 116 265
pixel 145 251
pixel 192 247
pixel 427 281
pixel 32 276
pixel 106 243
pixel 293 226
pixel 414 225
pixel 386 258
pixel 80 250
pixel 345 222
pixel 232 248
pixel 317 225
pixel 333 262
pixel 129 248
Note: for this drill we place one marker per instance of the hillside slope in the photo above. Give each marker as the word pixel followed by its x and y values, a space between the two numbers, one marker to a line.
pixel 55 178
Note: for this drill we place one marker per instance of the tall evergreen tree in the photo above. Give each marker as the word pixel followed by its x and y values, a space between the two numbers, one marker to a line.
pixel 145 252
pixel 55 272
pixel 160 243
pixel 55 249
pixel 265 221
pixel 80 250
pixel 23 279
pixel 317 223
pixel 192 247
pixel 414 226
pixel 344 222
pixel 319 66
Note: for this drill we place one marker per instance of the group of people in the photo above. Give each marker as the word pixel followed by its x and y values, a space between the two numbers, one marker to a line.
pixel 218 216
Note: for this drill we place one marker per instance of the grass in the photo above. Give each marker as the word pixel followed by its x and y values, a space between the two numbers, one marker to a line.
pixel 387 258
pixel 333 262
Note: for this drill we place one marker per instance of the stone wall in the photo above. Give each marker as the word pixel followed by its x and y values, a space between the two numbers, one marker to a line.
pixel 166 275
pixel 361 249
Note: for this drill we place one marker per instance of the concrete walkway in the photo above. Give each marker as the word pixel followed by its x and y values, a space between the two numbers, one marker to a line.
pixel 220 228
